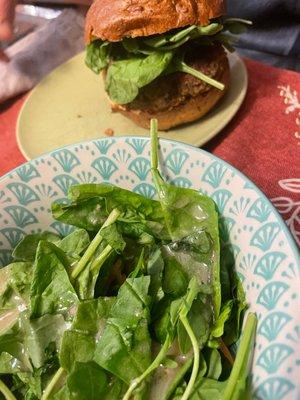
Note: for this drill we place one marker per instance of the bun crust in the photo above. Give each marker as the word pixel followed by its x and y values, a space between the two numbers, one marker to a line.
pixel 113 20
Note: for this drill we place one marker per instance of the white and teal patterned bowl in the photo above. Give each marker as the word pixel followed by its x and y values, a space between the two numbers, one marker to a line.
pixel 266 256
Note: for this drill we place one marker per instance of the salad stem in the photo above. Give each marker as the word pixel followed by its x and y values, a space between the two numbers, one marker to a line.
pixel 155 364
pixel 113 216
pixel 178 378
pixel 243 355
pixel 100 260
pixel 183 67
pixel 52 383
pixel 185 322
pixel 154 144
pixel 6 392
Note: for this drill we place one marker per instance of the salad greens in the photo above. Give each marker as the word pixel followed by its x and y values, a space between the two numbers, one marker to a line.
pixel 141 301
pixel 135 62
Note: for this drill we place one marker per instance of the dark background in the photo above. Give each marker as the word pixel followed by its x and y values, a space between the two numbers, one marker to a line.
pixel 275 36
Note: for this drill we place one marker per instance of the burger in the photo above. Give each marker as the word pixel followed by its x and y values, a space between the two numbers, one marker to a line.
pixel 162 59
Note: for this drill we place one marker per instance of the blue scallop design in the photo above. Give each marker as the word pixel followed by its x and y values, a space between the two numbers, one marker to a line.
pixel 249 185
pixel 66 159
pixel 103 145
pixel 259 210
pixel 268 264
pixel 225 226
pixel 275 388
pixel 13 235
pixel 214 174
pixel 239 206
pixel 271 293
pixel 62 229
pixel 180 181
pixel 23 193
pixel 5 257
pixel 292 271
pixel 273 356
pixel 121 156
pixel 46 190
pixel 145 189
pixel 27 172
pixel 264 237
pixel 86 177
pixel 221 198
pixel 141 167
pixel 21 215
pixel 273 324
pixel 175 160
pixel 137 144
pixel 64 181
pixel 105 167
pixel 247 261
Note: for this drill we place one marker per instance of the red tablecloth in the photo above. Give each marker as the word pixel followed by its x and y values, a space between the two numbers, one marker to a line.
pixel 262 141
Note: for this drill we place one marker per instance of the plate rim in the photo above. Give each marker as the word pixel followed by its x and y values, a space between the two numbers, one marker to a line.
pixel 259 192
pixel 234 56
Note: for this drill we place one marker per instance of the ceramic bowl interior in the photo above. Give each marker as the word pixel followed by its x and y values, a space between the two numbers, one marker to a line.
pixel 266 256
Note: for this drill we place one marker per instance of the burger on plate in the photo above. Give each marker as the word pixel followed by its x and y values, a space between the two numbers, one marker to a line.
pixel 161 59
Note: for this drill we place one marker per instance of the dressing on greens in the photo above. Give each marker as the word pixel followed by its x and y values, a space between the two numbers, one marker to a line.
pixel 141 301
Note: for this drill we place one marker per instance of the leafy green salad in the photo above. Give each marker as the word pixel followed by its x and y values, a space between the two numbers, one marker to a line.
pixel 141 301
pixel 135 62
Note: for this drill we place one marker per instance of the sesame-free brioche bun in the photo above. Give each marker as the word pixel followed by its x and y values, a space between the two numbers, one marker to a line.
pixel 113 20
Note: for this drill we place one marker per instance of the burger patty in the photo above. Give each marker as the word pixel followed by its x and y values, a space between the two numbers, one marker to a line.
pixel 170 91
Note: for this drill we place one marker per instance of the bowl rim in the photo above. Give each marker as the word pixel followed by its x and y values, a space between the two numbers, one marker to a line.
pixel 259 192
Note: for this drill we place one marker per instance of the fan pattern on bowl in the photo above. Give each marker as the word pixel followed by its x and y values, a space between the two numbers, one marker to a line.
pixel 265 255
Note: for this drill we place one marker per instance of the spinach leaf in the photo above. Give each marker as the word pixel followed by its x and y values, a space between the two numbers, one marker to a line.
pixel 87 381
pixel 88 278
pixel 126 77
pixel 76 346
pixel 92 203
pixel 62 394
pixel 15 284
pixel 30 384
pixel 209 389
pixel 175 280
pixel 124 348
pixel 51 290
pixel 214 365
pixel 187 211
pixel 26 248
pixel 97 55
pixel 218 328
pixel 75 243
pixel 40 333
pixel 236 26
pixel 155 268
pixel 13 353
pixel 87 214
pixel 200 318
pixel 78 343
pixel 111 242
pixel 232 326
pixel 181 36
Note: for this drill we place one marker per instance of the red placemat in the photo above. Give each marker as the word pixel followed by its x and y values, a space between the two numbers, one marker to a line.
pixel 262 141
